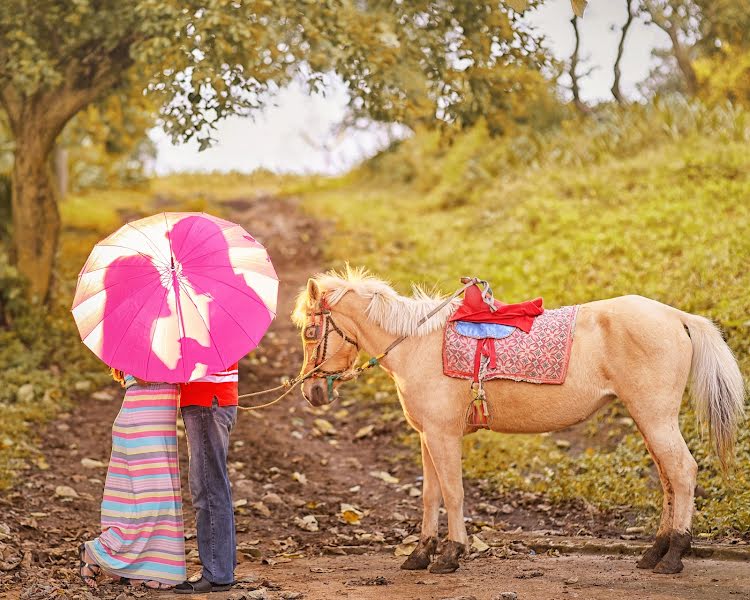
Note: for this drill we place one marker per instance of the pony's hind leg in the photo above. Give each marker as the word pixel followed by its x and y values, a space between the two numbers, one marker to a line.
pixel 422 555
pixel 678 470
pixel 655 553
pixel 445 450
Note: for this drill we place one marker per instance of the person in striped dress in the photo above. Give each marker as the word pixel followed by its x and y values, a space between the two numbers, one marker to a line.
pixel 142 540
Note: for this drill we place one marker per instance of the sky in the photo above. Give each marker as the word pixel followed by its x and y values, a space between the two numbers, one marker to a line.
pixel 299 134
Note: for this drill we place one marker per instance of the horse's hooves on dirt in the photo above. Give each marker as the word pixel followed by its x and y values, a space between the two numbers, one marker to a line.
pixel 655 553
pixel 668 566
pixel 679 544
pixel 421 557
pixel 447 560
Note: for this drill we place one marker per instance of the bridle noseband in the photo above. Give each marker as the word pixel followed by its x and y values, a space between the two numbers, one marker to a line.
pixel 317 332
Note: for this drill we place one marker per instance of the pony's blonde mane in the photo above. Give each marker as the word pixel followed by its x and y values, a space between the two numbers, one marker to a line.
pixel 397 314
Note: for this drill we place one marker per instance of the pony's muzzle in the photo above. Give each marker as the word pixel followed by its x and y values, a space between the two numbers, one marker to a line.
pixel 314 391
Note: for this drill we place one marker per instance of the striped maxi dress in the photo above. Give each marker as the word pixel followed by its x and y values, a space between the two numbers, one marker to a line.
pixel 142 529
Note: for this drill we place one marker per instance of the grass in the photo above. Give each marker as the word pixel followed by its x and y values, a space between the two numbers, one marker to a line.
pixel 663 213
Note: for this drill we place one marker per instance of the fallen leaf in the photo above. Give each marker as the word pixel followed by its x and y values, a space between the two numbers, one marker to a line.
pixel 272 498
pixel 351 514
pixel 415 492
pixel 364 432
pixel 384 476
pixel 355 488
pixel 240 502
pixel 308 523
pixel 261 508
pixel 320 570
pixel 90 463
pixel 65 491
pixel 404 549
pixel 479 544
pixel 635 530
pixel 300 477
pixel 324 427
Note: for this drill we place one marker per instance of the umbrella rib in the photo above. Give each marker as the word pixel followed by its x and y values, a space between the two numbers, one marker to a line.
pixel 232 317
pixel 148 256
pixel 216 346
pixel 104 289
pixel 117 348
pixel 106 315
pixel 148 240
pixel 256 300
pixel 183 259
pixel 220 250
pixel 185 237
pixel 153 333
pixel 169 239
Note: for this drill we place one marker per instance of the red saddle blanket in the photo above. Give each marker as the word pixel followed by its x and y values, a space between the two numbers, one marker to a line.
pixel 475 309
pixel 540 356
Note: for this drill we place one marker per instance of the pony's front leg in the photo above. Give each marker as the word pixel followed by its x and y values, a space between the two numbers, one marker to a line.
pixel 421 557
pixel 445 450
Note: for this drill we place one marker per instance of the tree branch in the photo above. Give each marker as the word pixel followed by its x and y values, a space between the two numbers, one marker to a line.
pixel 616 91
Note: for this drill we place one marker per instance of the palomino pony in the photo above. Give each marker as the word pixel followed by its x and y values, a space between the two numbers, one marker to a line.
pixel 631 348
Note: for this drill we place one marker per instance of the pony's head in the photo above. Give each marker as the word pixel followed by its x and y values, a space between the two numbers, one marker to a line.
pixel 329 351
pixel 330 331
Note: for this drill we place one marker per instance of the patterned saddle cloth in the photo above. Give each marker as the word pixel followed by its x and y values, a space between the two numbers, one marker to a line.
pixel 540 356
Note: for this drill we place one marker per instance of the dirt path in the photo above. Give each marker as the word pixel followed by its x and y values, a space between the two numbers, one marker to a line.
pixel 292 467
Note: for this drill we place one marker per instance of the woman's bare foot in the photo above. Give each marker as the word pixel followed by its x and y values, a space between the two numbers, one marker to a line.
pixel 150 584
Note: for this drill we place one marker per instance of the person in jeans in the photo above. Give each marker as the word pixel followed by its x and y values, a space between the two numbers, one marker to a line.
pixel 209 411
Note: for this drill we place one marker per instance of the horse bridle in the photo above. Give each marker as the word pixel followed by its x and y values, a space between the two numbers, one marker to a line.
pixel 317 332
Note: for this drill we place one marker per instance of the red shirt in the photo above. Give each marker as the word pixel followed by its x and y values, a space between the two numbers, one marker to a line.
pixel 201 392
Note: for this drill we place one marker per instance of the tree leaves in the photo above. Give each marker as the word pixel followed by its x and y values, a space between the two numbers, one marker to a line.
pixel 518 5
pixel 579 6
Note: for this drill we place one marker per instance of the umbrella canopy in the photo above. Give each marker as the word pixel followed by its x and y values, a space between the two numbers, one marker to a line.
pixel 175 296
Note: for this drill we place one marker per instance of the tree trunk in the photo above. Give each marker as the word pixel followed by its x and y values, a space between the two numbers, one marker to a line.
pixel 616 91
pixel 682 54
pixel 61 170
pixel 574 59
pixel 36 220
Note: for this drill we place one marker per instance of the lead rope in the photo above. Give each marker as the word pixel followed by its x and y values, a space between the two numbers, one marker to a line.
pixel 372 362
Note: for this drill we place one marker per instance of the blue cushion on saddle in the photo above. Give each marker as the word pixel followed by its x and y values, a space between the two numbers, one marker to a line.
pixel 484 330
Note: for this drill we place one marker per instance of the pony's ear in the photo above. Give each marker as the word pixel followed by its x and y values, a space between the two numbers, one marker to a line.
pixel 313 290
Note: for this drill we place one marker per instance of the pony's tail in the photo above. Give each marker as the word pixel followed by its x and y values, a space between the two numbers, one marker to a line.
pixel 716 386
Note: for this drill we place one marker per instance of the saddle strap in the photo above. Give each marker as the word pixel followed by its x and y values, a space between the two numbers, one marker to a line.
pixel 485 347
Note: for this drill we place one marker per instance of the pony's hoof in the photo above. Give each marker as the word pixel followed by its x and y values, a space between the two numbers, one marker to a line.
pixel 655 553
pixel 679 545
pixel 447 560
pixel 421 557
pixel 669 566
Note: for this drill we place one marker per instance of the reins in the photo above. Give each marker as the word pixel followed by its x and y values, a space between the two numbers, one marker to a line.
pixel 353 373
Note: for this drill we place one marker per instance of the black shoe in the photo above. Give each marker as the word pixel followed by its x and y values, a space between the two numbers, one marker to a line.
pixel 202 586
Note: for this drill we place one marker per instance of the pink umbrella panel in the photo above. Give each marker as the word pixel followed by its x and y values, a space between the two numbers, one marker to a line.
pixel 175 296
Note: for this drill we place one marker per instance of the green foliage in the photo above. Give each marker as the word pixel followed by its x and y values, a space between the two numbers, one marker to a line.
pixel 649 200
pixel 38 347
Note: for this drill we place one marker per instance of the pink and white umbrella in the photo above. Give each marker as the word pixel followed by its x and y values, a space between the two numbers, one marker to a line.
pixel 175 296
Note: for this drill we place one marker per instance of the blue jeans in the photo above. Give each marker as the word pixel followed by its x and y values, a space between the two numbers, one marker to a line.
pixel 208 430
